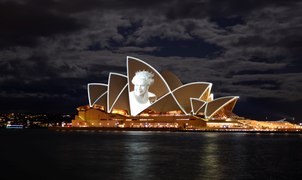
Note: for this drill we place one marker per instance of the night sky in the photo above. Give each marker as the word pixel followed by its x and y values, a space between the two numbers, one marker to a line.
pixel 51 49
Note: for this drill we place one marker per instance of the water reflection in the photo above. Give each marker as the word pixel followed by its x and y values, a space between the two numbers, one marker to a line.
pixel 149 155
pixel 209 165
pixel 136 158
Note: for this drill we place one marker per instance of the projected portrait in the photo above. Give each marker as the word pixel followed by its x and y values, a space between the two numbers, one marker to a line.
pixel 140 98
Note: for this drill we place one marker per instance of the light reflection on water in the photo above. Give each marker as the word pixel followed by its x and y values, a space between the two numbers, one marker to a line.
pixel 209 161
pixel 43 154
pixel 136 159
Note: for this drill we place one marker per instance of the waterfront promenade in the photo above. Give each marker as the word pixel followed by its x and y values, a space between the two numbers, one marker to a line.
pixel 178 129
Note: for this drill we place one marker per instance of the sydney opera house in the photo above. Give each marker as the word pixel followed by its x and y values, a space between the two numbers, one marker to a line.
pixel 145 97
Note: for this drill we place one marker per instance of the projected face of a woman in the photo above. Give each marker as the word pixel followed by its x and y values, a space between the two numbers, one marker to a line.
pixel 141 87
pixel 140 98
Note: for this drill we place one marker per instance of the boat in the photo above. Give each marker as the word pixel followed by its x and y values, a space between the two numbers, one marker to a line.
pixel 14 126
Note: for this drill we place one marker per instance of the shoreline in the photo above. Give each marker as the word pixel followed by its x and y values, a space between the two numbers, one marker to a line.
pixel 174 130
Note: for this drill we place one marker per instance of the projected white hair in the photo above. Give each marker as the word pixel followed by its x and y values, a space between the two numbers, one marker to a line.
pixel 143 75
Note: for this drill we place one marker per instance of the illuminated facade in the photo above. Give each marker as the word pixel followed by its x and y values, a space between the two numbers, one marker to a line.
pixel 146 98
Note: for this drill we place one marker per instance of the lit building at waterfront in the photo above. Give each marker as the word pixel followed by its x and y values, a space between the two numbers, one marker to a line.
pixel 146 98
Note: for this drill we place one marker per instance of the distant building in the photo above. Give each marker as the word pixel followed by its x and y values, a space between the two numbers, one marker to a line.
pixel 146 98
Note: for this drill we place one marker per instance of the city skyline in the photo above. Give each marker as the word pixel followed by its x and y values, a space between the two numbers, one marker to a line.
pixel 50 51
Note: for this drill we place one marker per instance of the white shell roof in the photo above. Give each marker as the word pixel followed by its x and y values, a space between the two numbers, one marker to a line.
pixel 171 94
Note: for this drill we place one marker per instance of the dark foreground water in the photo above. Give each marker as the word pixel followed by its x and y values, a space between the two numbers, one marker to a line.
pixel 97 155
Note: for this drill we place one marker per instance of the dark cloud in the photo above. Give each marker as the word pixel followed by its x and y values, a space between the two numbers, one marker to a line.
pixel 268 109
pixel 50 50
pixel 183 48
pixel 32 104
pixel 217 9
pixel 261 84
pixel 23 24
pixel 188 9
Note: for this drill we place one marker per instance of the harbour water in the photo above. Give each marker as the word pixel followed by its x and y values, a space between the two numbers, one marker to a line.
pixel 101 155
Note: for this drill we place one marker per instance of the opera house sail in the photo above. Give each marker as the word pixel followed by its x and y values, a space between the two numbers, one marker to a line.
pixel 145 97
